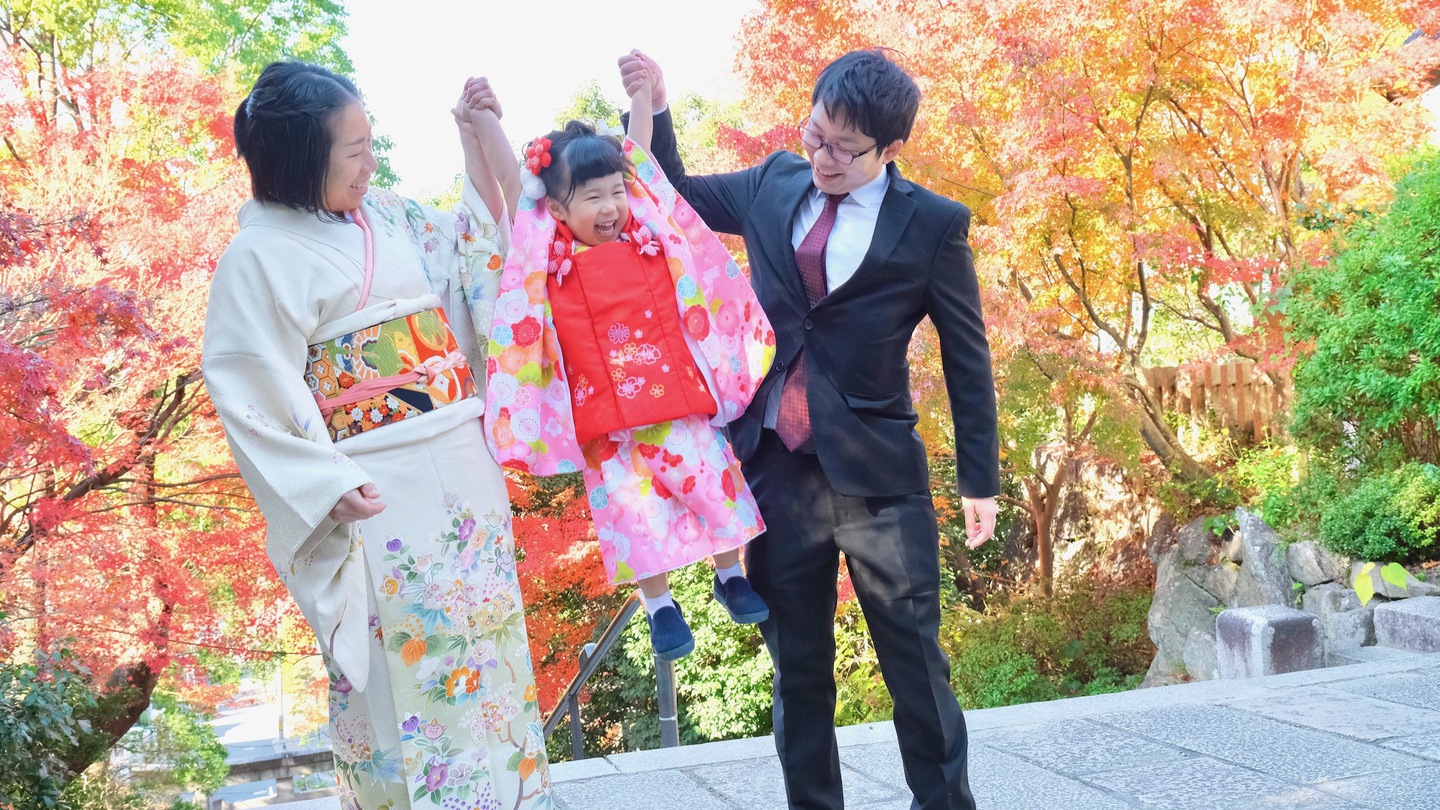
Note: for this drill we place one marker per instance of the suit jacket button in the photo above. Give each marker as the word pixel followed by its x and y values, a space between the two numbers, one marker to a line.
pixel 779 365
pixel 808 324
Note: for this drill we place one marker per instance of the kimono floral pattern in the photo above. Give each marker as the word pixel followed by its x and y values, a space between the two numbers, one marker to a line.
pixel 665 496
pixel 448 616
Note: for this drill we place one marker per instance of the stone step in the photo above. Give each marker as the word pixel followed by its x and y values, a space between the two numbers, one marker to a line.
pixel 1364 655
pixel 1266 640
pixel 1409 624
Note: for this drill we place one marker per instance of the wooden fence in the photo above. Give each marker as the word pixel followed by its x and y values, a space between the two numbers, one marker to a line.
pixel 1251 403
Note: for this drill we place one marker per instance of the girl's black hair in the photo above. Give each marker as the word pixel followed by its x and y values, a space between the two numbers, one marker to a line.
pixel 283 131
pixel 579 154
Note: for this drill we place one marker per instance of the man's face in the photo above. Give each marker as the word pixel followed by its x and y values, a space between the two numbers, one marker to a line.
pixel 823 139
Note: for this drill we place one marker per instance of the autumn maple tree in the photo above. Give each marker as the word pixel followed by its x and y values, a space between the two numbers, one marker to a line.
pixel 1144 178
pixel 126 537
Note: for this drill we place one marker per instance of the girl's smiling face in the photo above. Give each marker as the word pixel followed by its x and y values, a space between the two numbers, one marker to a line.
pixel 597 211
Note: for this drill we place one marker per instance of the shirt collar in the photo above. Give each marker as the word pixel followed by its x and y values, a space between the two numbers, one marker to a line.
pixel 868 195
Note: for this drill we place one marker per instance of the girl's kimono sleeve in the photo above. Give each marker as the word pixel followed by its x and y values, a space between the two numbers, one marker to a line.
pixel 528 422
pixel 463 250
pixel 261 311
pixel 728 332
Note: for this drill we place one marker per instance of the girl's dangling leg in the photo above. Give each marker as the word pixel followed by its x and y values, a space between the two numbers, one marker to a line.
pixel 733 591
pixel 669 634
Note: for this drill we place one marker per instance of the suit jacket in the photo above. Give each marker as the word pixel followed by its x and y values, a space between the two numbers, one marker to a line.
pixel 856 338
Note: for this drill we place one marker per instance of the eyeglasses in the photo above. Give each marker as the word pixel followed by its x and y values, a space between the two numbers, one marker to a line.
pixel 838 153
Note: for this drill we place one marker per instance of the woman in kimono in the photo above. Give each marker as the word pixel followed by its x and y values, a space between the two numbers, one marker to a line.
pixel 342 328
pixel 625 338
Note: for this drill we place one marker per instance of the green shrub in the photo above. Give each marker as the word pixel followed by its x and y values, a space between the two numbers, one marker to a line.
pixel 40 708
pixel 1367 384
pixel 1087 639
pixel 1393 516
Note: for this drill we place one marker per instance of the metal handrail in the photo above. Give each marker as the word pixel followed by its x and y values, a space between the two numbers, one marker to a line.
pixel 590 657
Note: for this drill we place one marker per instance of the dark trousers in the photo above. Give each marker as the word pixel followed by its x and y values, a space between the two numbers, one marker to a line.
pixel 891 546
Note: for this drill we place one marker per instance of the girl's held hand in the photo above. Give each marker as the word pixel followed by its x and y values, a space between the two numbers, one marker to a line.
pixel 360 503
pixel 635 68
pixel 479 95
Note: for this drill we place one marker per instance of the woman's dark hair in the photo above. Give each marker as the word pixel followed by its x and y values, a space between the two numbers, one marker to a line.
pixel 867 90
pixel 579 154
pixel 282 130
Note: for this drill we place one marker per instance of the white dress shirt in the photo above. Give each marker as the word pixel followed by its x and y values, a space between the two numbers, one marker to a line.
pixel 854 227
pixel 849 241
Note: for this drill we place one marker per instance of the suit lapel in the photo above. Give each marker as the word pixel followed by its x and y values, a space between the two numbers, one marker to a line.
pixel 780 252
pixel 895 212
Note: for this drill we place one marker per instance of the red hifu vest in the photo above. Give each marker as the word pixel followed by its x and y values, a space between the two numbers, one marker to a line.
pixel 626 360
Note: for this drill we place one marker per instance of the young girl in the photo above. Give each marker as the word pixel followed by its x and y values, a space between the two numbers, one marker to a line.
pixel 625 337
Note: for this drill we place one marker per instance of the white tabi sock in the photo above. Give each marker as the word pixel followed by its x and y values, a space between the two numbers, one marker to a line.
pixel 654 603
pixel 726 573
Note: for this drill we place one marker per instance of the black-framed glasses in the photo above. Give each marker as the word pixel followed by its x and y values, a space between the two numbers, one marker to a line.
pixel 838 153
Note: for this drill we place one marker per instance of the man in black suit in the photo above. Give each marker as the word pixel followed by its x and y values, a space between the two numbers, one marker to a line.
pixel 846 257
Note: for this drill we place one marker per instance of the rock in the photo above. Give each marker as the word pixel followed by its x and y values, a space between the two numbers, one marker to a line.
pixel 1160 674
pixel 1346 631
pixel 1264 576
pixel 1383 587
pixel 1195 543
pixel 1311 564
pixel 1180 605
pixel 1161 539
pixel 1199 655
pixel 1344 624
pixel 1266 640
pixel 1329 598
pixel 1409 624
pixel 1219 579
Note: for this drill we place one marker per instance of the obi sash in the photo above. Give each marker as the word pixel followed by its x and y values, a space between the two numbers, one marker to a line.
pixel 386 373
pixel 622 340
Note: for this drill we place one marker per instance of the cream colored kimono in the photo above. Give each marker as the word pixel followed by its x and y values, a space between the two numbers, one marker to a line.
pixel 417 610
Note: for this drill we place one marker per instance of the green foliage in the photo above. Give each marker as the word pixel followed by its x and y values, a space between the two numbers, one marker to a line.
pixel 860 692
pixel 1369 388
pixel 1393 516
pixel 1364 581
pixel 589 104
pixel 40 708
pixel 252 33
pixel 385 175
pixel 1295 510
pixel 241 34
pixel 100 790
pixel 1086 639
pixel 187 743
pixel 723 687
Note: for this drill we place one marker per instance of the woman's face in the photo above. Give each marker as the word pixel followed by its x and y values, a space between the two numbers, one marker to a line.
pixel 351 160
pixel 597 211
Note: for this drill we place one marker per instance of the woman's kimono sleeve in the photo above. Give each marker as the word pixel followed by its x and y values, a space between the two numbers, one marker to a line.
pixel 463 251
pixel 262 309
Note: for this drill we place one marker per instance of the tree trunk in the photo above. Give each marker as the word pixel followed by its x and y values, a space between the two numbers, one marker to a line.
pixel 1161 439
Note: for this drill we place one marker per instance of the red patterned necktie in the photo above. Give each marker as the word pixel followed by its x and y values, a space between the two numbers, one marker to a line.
pixel 793 421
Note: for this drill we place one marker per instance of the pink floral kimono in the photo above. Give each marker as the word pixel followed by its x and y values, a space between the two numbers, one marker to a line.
pixel 665 495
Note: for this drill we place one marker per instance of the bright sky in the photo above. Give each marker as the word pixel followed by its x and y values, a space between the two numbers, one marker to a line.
pixel 412 64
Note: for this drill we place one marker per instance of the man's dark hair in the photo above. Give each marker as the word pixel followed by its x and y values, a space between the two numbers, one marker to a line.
pixel 283 131
pixel 867 90
pixel 579 154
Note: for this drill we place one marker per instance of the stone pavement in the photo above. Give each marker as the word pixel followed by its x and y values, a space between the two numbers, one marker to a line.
pixel 1364 736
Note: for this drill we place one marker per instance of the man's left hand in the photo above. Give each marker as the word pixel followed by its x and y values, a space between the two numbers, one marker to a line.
pixel 979 520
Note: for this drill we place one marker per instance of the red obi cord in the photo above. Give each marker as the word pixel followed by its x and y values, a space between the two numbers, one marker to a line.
pixel 626 360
